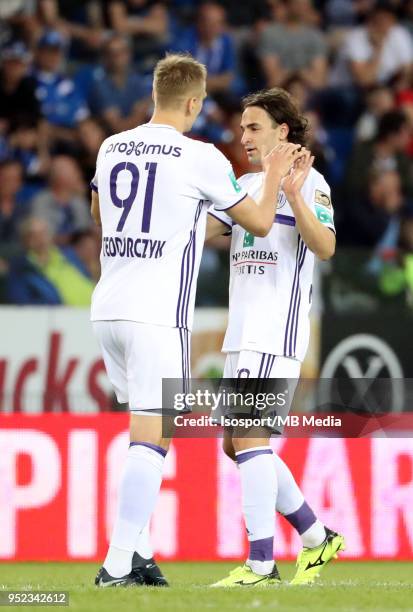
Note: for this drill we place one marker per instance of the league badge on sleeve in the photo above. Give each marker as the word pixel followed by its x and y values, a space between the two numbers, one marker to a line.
pixel 234 182
pixel 323 215
pixel 322 198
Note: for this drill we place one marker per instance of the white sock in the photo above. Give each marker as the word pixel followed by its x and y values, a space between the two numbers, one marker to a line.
pixel 138 492
pixel 289 496
pixel 259 493
pixel 314 536
pixel 144 546
pixel 291 503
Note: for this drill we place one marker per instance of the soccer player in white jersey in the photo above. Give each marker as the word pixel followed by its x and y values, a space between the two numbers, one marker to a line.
pixel 150 194
pixel 268 331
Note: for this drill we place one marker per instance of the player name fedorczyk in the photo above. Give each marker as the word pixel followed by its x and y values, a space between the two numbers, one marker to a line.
pixel 128 247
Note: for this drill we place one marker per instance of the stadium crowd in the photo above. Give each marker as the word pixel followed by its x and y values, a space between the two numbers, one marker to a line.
pixel 74 71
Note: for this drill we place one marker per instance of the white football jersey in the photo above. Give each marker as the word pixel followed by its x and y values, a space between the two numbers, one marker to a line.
pixel 154 184
pixel 271 277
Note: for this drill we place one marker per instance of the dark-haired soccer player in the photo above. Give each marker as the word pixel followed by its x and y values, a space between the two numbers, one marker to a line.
pixel 150 194
pixel 268 330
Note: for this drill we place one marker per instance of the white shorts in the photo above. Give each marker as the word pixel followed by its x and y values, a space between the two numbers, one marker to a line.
pixel 138 356
pixel 252 364
pixel 256 365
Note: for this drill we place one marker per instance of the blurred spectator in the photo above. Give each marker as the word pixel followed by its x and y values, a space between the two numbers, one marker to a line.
pixel 90 136
pixel 317 137
pixel 246 13
pixel 294 47
pixel 404 101
pixel 384 152
pixel 210 123
pixel 146 22
pixel 396 275
pixel 17 89
pixel 13 207
pixel 379 100
pixel 86 246
pixel 63 203
pixel 61 102
pixel 408 16
pixel 299 89
pixel 211 43
pixel 16 19
pixel 374 217
pixel 318 143
pixel 45 274
pixel 119 96
pixel 346 13
pixel 376 52
pixel 29 149
pixel 79 21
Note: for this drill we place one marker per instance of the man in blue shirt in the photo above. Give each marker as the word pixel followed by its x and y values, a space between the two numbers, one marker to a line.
pixel 119 94
pixel 211 44
pixel 61 102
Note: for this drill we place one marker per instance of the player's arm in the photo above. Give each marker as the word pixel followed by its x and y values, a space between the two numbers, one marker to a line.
pixel 319 239
pixel 155 22
pixel 258 217
pixel 94 208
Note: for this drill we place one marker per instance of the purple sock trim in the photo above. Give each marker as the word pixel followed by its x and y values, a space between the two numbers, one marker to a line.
pixel 302 519
pixel 262 550
pixel 158 449
pixel 254 453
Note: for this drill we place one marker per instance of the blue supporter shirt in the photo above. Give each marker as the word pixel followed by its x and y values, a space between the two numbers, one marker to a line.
pixel 218 58
pixel 105 94
pixel 61 102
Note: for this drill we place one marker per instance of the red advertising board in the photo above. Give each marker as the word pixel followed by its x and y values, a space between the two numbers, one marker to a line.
pixel 59 478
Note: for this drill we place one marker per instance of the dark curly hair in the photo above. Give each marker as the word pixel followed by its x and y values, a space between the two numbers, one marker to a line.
pixel 281 107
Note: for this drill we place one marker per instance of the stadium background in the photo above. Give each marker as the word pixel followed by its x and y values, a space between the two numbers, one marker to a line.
pixel 73 72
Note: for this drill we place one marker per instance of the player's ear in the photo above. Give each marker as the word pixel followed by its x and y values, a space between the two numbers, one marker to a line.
pixel 284 131
pixel 189 106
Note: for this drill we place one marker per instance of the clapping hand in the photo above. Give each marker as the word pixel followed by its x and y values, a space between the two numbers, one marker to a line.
pixel 282 158
pixel 293 182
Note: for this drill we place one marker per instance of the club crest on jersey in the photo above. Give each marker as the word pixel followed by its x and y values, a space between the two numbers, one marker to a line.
pixel 281 200
pixel 322 198
pixel 248 240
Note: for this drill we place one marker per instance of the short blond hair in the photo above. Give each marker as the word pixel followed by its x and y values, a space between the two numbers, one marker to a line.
pixel 176 77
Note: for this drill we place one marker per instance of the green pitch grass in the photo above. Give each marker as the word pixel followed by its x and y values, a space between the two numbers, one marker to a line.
pixel 345 586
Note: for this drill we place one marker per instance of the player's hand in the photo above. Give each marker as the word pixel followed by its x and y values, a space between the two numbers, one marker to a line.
pixel 292 184
pixel 282 158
